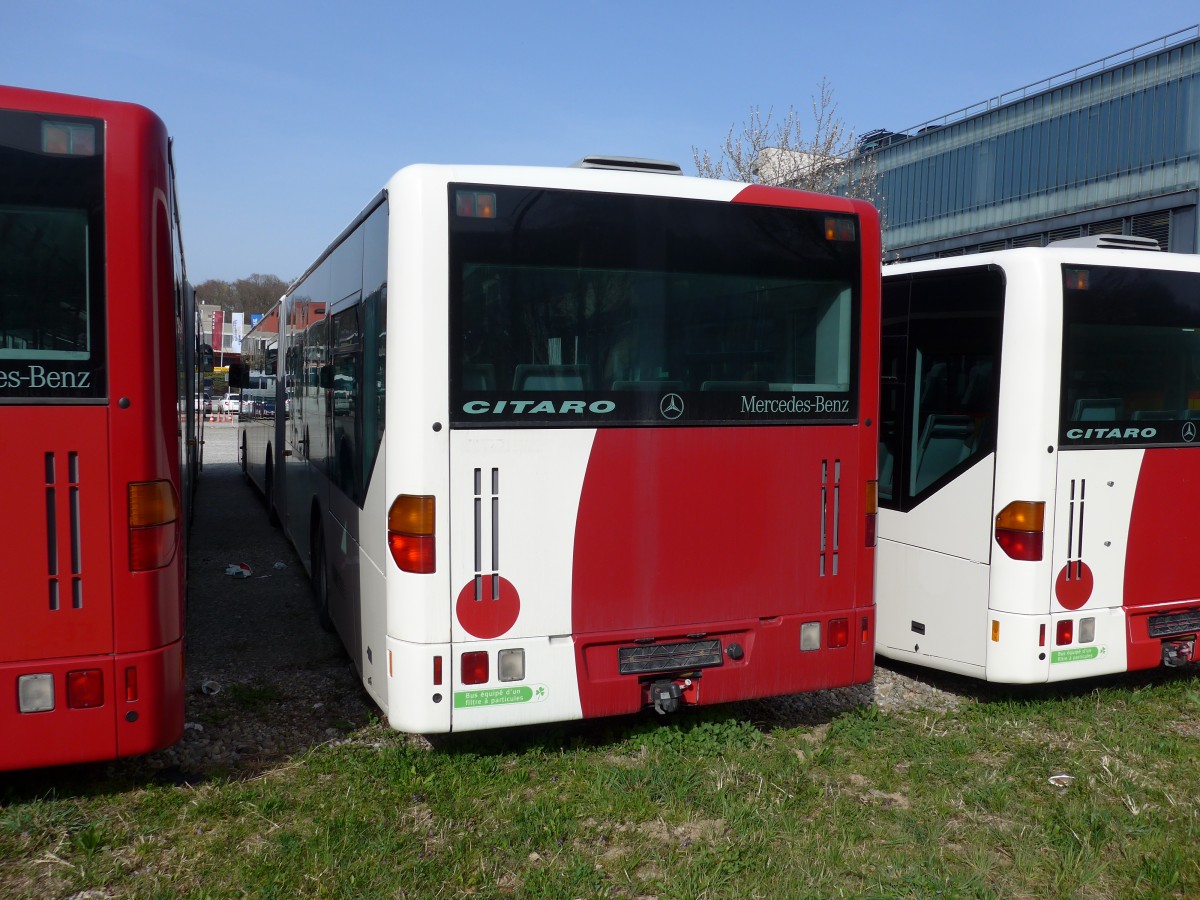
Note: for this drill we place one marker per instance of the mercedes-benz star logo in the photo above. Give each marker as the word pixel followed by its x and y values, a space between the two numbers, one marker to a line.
pixel 1189 431
pixel 671 406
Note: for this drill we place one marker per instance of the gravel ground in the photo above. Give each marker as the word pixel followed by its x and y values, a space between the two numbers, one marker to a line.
pixel 266 683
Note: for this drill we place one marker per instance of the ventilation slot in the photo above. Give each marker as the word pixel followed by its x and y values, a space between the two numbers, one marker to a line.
pixel 494 570
pixel 62 579
pixel 831 515
pixel 1075 535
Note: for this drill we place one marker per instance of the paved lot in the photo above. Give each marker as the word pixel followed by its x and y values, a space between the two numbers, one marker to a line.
pixel 264 681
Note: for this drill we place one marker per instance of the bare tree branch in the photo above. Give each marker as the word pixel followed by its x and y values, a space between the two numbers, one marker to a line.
pixel 825 160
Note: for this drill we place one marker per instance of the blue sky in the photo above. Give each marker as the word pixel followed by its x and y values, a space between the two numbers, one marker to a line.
pixel 289 116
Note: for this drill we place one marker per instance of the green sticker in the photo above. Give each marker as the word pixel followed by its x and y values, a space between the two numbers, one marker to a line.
pixel 533 693
pixel 1075 654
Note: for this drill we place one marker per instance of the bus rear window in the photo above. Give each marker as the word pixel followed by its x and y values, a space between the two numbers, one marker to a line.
pixel 572 308
pixel 51 258
pixel 1131 356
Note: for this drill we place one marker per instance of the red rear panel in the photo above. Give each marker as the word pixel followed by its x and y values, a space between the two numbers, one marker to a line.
pixel 57 598
pixel 1161 577
pixel 734 533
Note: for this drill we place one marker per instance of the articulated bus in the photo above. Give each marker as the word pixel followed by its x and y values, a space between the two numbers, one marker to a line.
pixel 575 442
pixel 1037 480
pixel 98 431
pixel 257 430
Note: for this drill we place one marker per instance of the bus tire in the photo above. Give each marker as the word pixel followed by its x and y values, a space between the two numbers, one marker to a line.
pixel 269 491
pixel 320 580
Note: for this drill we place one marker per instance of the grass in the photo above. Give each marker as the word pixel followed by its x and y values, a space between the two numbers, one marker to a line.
pixel 911 804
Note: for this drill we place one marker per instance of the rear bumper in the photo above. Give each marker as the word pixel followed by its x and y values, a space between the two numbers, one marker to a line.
pixel 1150 629
pixel 141 710
pixel 758 658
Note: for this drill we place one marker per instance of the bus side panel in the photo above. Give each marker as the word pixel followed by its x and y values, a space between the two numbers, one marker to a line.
pixel 55 537
pixel 148 606
pixel 514 502
pixel 933 578
pixel 1089 541
pixel 1161 576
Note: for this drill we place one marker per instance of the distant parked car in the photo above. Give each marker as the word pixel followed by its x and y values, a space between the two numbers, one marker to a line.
pixel 231 403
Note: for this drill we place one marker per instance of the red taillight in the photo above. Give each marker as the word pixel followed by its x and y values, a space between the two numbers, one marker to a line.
pixel 872 510
pixel 866 629
pixel 153 524
pixel 413 554
pixel 474 667
pixel 131 687
pixel 85 689
pixel 1021 545
pixel 1064 633
pixel 1042 636
pixel 839 632
pixel 411 534
pixel 1019 529
pixel 437 670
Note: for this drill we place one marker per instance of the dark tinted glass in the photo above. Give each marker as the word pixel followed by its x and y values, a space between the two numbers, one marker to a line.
pixel 1131 356
pixel 571 308
pixel 52 310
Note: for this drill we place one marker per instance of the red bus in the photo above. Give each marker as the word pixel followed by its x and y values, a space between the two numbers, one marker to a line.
pixel 98 362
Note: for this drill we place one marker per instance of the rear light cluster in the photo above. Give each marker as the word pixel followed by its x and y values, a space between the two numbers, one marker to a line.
pixel 475 666
pixel 837 633
pixel 872 513
pixel 1064 632
pixel 153 524
pixel 1019 528
pixel 411 534
pixel 85 690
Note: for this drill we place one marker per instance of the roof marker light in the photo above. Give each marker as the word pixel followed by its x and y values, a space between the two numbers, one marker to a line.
pixel 475 204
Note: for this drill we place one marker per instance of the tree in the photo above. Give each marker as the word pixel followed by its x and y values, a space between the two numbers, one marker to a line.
pixel 255 294
pixel 826 161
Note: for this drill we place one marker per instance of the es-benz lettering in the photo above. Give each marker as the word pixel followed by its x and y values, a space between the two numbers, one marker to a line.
pixel 793 404
pixel 36 377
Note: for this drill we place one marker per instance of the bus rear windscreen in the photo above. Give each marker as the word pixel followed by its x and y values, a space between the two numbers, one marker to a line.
pixel 1131 356
pixel 51 258
pixel 701 312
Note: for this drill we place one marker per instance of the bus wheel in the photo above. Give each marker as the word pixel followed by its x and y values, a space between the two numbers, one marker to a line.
pixel 320 580
pixel 269 491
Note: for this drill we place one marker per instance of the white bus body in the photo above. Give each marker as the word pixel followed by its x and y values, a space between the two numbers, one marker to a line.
pixel 625 460
pixel 1038 464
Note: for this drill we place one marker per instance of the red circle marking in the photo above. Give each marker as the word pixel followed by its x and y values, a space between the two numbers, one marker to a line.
pixel 488 618
pixel 1074 584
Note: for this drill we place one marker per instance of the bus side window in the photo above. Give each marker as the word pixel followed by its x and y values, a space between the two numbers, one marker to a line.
pixel 946 399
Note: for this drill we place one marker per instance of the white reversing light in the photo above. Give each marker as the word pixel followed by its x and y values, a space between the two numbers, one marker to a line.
pixel 35 693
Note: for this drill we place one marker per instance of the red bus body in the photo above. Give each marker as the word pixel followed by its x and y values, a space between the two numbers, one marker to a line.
pixel 92 643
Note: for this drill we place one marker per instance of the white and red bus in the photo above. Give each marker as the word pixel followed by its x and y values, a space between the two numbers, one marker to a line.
pixel 1039 465
pixel 566 443
pixel 97 431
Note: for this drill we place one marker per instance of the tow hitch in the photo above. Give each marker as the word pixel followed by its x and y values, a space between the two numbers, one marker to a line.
pixel 668 696
pixel 1176 654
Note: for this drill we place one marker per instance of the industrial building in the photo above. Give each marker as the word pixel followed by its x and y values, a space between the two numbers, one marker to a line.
pixel 1110 147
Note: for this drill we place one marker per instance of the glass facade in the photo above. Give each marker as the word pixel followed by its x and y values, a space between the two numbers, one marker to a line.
pixel 1113 150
